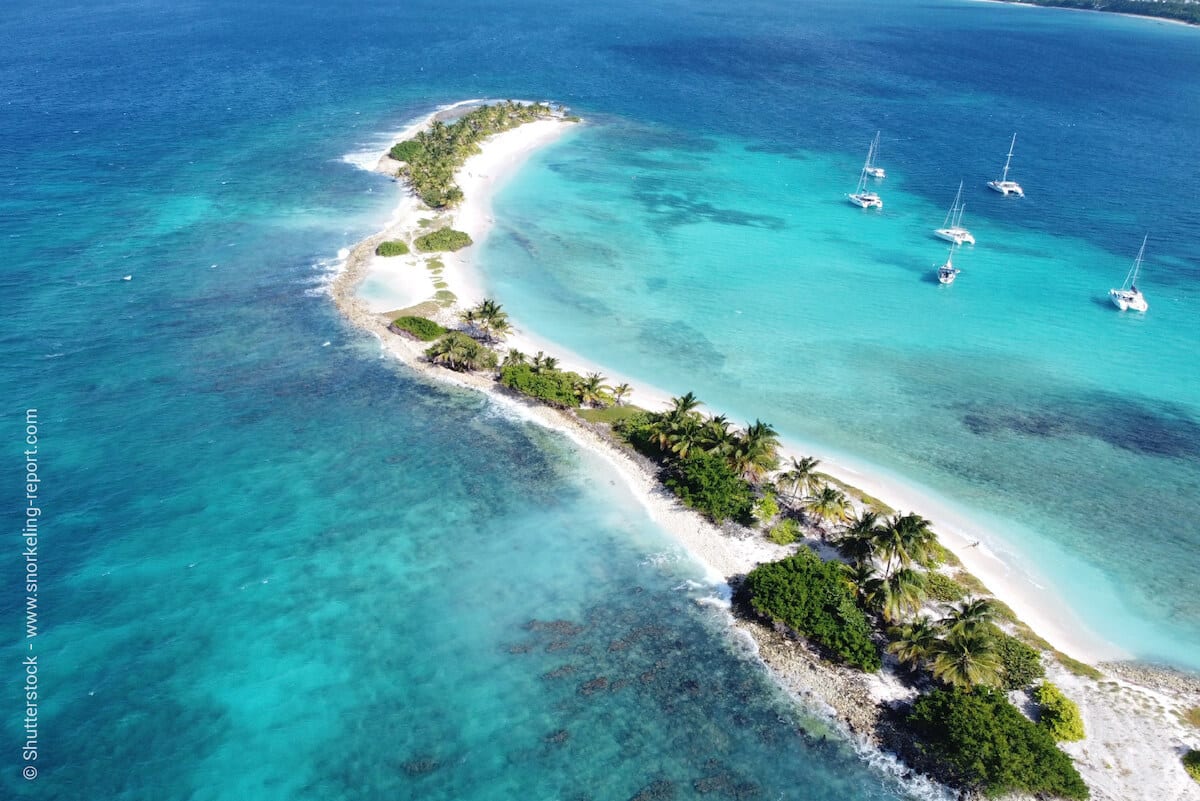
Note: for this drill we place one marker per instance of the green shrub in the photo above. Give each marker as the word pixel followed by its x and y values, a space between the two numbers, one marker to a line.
pixel 1059 715
pixel 553 386
pixel 766 507
pixel 1021 665
pixel 1191 763
pixel 707 483
pixel 1192 716
pixel 443 239
pixel 393 247
pixel 978 740
pixel 405 151
pixel 636 430
pixel 785 532
pixel 420 327
pixel 943 588
pixel 812 597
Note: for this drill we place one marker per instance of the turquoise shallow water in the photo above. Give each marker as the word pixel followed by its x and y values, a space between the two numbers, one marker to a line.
pixel 274 569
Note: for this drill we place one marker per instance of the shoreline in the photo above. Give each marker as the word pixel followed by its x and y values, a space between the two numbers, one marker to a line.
pixel 723 556
pixel 1130 15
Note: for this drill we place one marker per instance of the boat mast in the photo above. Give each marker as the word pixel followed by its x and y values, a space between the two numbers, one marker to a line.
pixel 1137 263
pixel 1008 161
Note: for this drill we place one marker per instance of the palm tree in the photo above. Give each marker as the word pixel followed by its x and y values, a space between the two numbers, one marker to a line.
pixel 912 644
pixel 718 438
pixel 829 505
pixel 866 583
pixel 970 616
pixel 801 476
pixel 514 357
pixel 685 436
pixel 543 364
pixel 592 390
pixel 966 659
pixel 620 391
pixel 498 329
pixel 858 541
pixel 903 592
pixel 761 445
pixel 459 352
pixel 904 539
pixel 683 405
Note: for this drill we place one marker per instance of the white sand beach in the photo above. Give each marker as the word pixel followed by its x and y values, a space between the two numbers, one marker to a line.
pixel 1116 711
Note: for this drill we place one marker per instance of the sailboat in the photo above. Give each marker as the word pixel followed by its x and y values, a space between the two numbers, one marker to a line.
pixel 1005 186
pixel 1129 296
pixel 952 230
pixel 948 272
pixel 861 197
pixel 871 169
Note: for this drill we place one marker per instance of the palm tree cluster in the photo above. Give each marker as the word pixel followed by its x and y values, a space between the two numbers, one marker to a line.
pixel 460 352
pixel 682 430
pixel 805 489
pixel 432 156
pixel 487 320
pixel 960 649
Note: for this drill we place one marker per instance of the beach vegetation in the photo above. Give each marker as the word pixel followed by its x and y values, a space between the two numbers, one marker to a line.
pixel 1192 716
pixel 903 540
pixel 1180 10
pixel 433 156
pixel 966 658
pixel 592 391
pixel 828 504
pixel 420 327
pixel 708 484
pixel 445 298
pixel 1073 665
pixel 553 387
pixel 811 597
pixel 912 644
pixel 766 508
pixel 971 615
pixel 979 741
pixel 460 352
pixel 544 364
pixel 785 532
pixel 901 594
pixel 1058 714
pixel 514 357
pixel 620 393
pixel 392 247
pixel 800 479
pixel 406 150
pixel 612 415
pixel 443 239
pixel 487 320
pixel 1191 763
pixel 1021 665
pixel 943 588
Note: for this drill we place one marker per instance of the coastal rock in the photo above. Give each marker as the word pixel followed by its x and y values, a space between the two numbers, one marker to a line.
pixel 594 686
pixel 658 790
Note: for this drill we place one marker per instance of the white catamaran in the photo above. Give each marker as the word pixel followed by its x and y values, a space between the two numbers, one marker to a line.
pixel 861 197
pixel 952 229
pixel 1129 296
pixel 1005 186
pixel 948 272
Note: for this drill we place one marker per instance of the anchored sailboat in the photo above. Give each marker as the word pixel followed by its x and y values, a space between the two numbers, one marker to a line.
pixel 948 272
pixel 952 229
pixel 871 169
pixel 1129 296
pixel 861 197
pixel 1005 186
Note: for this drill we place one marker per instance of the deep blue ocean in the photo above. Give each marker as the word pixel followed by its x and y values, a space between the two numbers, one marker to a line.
pixel 275 568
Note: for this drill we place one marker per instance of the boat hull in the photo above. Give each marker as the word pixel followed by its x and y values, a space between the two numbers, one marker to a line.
pixel 1127 300
pixel 866 200
pixel 1007 188
pixel 959 236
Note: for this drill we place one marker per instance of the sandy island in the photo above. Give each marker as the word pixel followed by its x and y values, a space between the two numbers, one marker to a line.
pixel 1136 734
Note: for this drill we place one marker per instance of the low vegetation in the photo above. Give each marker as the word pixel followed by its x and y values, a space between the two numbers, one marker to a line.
pixel 1192 716
pixel 420 327
pixel 443 239
pixel 1057 714
pixel 943 588
pixel 1020 665
pixel 1191 763
pixel 552 387
pixel 433 156
pixel 785 532
pixel 810 596
pixel 392 247
pixel 978 740
pixel 706 483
